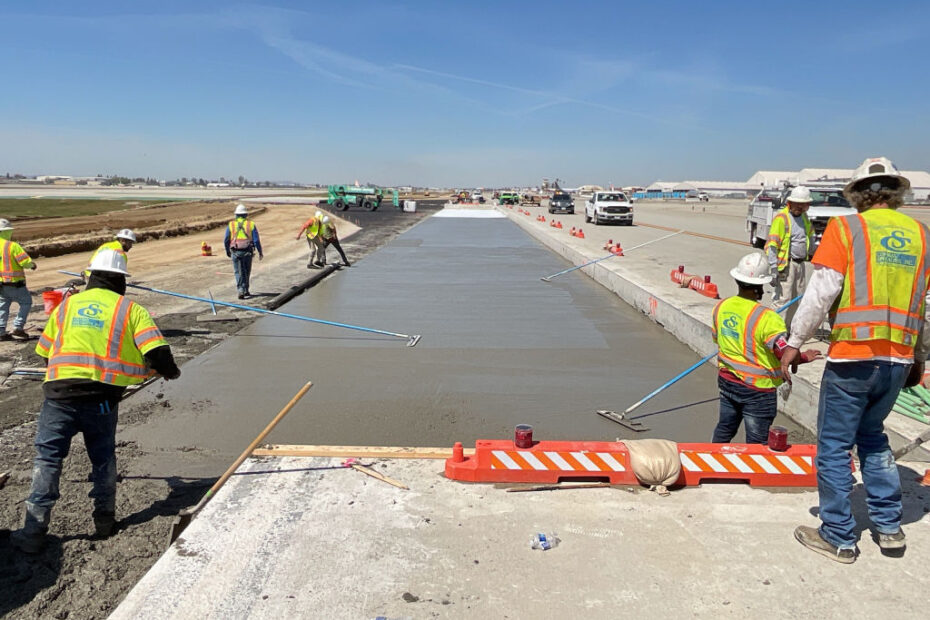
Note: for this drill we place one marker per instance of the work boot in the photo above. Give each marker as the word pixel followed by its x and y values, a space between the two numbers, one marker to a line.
pixel 28 542
pixel 19 333
pixel 104 524
pixel 241 295
pixel 810 537
pixel 891 542
pixel 5 337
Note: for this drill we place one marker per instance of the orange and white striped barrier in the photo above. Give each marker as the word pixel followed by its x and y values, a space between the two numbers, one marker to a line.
pixel 550 462
pixel 702 285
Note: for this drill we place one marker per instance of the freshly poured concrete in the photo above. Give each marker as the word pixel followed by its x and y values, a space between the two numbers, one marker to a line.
pixel 499 347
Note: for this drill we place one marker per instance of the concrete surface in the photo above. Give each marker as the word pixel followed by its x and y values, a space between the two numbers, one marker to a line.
pixel 305 538
pixel 499 347
pixel 641 278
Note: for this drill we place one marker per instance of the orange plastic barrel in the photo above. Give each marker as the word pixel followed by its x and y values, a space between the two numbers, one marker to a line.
pixel 51 299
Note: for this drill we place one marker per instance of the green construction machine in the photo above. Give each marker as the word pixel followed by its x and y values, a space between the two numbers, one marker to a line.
pixel 341 197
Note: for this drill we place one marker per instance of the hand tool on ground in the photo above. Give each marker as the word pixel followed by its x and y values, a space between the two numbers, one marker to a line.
pixel 630 423
pixel 559 487
pixel 411 340
pixel 354 464
pixel 185 516
pixel 597 260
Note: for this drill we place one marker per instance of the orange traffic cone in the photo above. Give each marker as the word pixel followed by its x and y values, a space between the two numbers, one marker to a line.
pixel 617 250
pixel 925 481
pixel 580 234
pixel 205 250
pixel 609 243
pixel 559 225
pixel 572 232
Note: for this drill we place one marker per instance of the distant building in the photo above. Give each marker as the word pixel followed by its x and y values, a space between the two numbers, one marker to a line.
pixel 217 184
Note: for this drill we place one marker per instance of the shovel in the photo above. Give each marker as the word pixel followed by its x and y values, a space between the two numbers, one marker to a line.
pixel 185 516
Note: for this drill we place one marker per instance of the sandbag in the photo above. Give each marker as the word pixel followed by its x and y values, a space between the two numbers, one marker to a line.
pixel 655 462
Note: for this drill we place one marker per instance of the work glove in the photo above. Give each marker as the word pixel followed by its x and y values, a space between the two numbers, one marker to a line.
pixel 915 376
pixel 33 266
pixel 261 256
pixel 228 254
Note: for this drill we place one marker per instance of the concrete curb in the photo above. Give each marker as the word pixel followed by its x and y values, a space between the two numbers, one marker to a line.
pixel 691 325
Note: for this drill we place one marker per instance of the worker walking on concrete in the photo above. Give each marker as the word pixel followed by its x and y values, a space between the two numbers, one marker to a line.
pixel 13 264
pixel 751 339
pixel 97 343
pixel 788 248
pixel 314 240
pixel 871 272
pixel 122 243
pixel 328 232
pixel 241 243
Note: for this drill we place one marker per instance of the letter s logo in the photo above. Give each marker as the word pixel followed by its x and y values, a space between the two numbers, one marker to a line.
pixel 731 322
pixel 90 310
pixel 896 242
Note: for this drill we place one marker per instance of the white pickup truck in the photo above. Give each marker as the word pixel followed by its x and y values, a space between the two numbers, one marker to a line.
pixel 605 207
pixel 826 202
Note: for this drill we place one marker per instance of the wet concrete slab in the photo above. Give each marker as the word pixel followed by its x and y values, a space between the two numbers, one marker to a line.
pixel 499 347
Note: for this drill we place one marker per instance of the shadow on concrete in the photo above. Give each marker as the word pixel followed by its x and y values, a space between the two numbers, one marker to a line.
pixel 23 576
pixel 183 494
pixel 670 409
pixel 296 337
pixel 174 333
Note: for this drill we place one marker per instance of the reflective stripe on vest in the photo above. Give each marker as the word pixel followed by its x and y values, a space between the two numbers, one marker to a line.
pixel 883 295
pixel 750 369
pixel 7 272
pixel 240 234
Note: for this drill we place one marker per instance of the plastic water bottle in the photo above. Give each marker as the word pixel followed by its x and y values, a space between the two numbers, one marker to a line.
pixel 544 541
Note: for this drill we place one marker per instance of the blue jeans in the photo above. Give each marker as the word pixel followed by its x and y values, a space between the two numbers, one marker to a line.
pixel 242 265
pixel 9 294
pixel 59 422
pixel 855 399
pixel 740 403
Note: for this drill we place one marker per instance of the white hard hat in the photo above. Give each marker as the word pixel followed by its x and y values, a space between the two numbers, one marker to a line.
pixel 126 234
pixel 875 167
pixel 799 194
pixel 318 214
pixel 241 210
pixel 5 224
pixel 326 219
pixel 109 260
pixel 752 269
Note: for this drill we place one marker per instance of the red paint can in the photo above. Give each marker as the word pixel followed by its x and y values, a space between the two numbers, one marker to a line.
pixel 523 436
pixel 778 438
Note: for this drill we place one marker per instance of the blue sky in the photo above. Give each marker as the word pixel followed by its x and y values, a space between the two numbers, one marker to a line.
pixel 461 93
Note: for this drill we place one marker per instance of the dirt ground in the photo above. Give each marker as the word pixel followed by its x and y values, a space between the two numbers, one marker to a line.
pixel 78 576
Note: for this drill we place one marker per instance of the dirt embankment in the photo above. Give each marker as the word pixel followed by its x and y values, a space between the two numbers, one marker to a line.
pixel 78 576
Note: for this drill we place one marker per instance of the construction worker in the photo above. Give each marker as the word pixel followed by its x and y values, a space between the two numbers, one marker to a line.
pixel 314 240
pixel 97 343
pixel 751 339
pixel 241 242
pixel 871 273
pixel 328 233
pixel 13 262
pixel 122 243
pixel 788 248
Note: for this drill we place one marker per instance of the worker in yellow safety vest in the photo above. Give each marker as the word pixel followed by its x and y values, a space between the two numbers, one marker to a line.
pixel 788 248
pixel 871 273
pixel 330 237
pixel 751 339
pixel 97 343
pixel 122 243
pixel 241 243
pixel 312 229
pixel 13 264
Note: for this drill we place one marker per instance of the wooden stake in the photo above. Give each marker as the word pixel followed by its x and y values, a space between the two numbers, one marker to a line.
pixel 380 476
pixel 364 452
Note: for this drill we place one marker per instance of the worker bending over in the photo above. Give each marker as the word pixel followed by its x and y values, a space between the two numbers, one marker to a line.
pixel 871 273
pixel 241 243
pixel 328 232
pixel 751 339
pixel 97 343
pixel 122 243
pixel 788 248
pixel 314 240
pixel 13 264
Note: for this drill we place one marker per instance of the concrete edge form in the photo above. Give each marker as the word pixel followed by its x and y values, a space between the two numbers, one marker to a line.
pixel 691 326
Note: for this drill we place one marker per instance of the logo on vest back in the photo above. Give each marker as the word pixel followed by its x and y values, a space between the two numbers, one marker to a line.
pixel 730 325
pixel 898 252
pixel 87 316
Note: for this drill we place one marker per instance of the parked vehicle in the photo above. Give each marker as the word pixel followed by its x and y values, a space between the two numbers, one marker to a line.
pixel 561 203
pixel 826 202
pixel 532 200
pixel 341 197
pixel 477 196
pixel 606 207
pixel 509 198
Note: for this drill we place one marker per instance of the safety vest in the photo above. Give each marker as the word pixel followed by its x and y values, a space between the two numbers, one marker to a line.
pixel 12 260
pixel 327 231
pixel 99 335
pixel 745 332
pixel 887 275
pixel 314 228
pixel 109 245
pixel 240 233
pixel 780 236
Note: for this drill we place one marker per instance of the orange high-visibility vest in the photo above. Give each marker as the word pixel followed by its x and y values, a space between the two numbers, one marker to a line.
pixel 12 260
pixel 240 233
pixel 887 276
pixel 745 332
pixel 99 335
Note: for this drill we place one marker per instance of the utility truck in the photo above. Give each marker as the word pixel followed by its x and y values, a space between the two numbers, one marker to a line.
pixel 341 197
pixel 605 207
pixel 827 201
